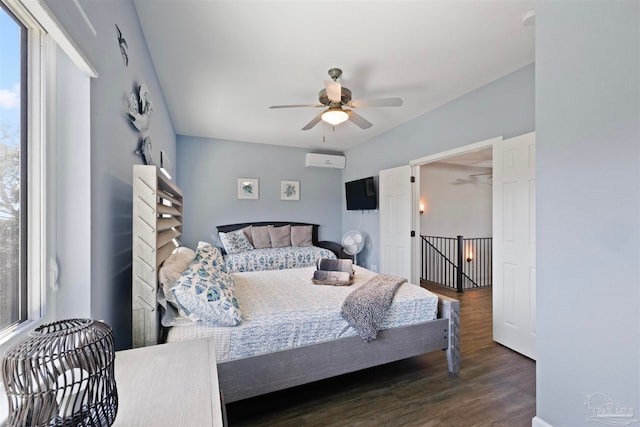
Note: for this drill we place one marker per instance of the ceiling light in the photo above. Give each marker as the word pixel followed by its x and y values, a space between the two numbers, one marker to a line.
pixel 335 116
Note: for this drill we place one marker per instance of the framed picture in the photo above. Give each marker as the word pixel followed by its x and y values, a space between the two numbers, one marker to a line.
pixel 248 188
pixel 289 190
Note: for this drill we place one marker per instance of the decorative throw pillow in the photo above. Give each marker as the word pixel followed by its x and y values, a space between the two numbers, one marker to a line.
pixel 260 236
pixel 247 232
pixel 235 242
pixel 204 292
pixel 213 252
pixel 280 236
pixel 301 235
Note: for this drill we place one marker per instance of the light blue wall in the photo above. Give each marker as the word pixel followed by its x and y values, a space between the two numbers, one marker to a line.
pixel 113 142
pixel 588 207
pixel 502 108
pixel 207 173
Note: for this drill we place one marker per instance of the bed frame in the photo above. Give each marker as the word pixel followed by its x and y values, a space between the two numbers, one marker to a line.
pixel 254 376
pixel 334 247
pixel 158 223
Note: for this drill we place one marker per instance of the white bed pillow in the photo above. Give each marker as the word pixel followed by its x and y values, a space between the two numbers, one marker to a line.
pixel 173 267
pixel 205 293
pixel 235 242
pixel 169 273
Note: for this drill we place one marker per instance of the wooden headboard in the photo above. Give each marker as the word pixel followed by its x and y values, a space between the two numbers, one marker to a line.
pixel 233 227
pixel 157 228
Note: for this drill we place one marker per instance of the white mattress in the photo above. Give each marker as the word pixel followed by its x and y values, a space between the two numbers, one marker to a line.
pixel 283 309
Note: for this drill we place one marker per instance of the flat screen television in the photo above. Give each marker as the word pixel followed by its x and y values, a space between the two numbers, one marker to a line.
pixel 361 194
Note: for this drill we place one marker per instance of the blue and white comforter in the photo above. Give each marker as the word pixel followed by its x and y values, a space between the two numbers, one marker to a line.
pixel 283 309
pixel 276 258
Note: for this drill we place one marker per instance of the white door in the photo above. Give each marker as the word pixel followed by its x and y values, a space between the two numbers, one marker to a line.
pixel 514 265
pixel 395 190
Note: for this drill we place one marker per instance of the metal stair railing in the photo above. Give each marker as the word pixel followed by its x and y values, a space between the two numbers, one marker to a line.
pixel 472 265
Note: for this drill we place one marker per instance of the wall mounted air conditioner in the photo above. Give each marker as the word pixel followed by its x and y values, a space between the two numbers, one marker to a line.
pixel 325 161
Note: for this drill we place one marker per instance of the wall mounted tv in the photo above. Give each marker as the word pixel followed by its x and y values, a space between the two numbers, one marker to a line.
pixel 361 194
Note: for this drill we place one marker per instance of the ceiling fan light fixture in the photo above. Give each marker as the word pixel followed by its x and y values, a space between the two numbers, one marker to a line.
pixel 335 116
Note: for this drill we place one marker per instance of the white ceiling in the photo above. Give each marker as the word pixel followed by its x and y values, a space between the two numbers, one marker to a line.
pixel 221 64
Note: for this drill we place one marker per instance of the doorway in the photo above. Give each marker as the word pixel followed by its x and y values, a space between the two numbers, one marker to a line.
pixel 513 219
pixel 451 165
pixel 456 220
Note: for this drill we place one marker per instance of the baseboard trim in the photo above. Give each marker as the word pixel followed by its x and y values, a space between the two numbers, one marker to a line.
pixel 539 422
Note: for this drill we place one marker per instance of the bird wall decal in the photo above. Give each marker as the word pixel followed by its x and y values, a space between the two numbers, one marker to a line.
pixel 123 47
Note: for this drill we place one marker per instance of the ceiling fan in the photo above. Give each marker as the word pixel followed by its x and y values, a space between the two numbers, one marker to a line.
pixel 475 179
pixel 335 96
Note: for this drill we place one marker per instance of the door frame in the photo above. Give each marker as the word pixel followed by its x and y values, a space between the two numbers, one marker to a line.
pixel 415 171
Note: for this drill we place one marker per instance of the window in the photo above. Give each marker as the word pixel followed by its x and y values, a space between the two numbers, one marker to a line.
pixel 13 170
pixel 36 56
pixel 22 172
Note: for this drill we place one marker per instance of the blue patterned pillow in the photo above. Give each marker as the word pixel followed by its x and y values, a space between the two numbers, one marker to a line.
pixel 205 293
pixel 207 250
pixel 235 242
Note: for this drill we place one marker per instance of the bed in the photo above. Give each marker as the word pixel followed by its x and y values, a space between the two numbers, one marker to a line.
pixel 281 343
pixel 259 249
pixel 244 378
pixel 157 227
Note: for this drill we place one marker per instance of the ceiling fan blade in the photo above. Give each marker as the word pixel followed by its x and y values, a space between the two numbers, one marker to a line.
pixel 334 90
pixel 297 106
pixel 382 102
pixel 313 122
pixel 360 121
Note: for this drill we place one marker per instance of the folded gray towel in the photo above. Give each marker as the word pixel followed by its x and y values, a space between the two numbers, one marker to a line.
pixel 345 265
pixel 339 277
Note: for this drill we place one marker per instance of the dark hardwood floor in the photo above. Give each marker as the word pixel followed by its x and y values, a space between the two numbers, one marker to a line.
pixel 495 387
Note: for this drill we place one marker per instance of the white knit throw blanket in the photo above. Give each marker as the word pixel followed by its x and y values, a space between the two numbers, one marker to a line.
pixel 366 307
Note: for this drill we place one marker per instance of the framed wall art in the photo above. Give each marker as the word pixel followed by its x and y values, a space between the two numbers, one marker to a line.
pixel 289 190
pixel 248 188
